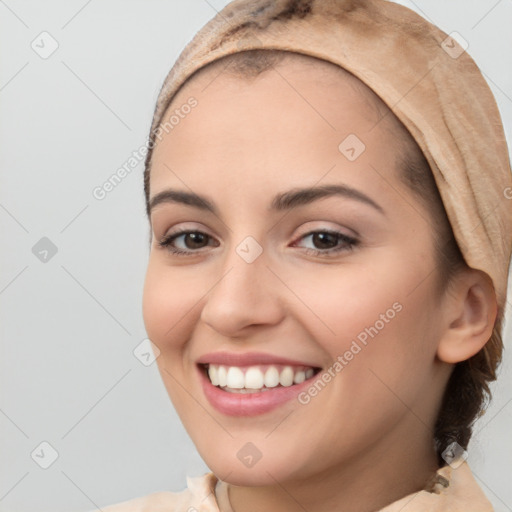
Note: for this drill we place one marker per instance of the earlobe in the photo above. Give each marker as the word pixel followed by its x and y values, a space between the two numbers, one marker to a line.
pixel 470 313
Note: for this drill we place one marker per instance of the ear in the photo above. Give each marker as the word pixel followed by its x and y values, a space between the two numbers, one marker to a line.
pixel 469 313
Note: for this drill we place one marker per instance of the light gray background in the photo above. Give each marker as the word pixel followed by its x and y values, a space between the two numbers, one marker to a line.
pixel 69 326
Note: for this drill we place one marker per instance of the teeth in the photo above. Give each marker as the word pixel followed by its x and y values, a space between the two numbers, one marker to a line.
pixel 253 378
pixel 234 379
pixel 299 377
pixel 286 377
pixel 221 376
pixel 213 374
pixel 271 377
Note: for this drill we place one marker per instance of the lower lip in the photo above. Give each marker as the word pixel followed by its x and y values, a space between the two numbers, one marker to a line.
pixel 249 404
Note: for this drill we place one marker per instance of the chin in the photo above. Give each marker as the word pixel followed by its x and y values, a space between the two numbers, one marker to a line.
pixel 257 476
pixel 266 471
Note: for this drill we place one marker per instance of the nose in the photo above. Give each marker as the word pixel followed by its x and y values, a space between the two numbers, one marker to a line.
pixel 243 296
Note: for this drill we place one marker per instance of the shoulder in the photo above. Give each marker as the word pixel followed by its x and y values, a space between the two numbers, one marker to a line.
pixel 156 502
pixel 199 496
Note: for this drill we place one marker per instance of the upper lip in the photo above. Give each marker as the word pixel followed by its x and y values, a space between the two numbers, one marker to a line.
pixel 248 359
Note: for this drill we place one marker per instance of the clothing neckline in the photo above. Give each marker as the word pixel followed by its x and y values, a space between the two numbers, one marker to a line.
pixel 222 495
pixel 438 482
pixel 448 485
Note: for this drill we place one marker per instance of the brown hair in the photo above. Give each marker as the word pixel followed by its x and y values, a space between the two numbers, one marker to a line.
pixel 467 392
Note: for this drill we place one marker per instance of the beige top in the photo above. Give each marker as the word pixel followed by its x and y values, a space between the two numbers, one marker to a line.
pixel 454 490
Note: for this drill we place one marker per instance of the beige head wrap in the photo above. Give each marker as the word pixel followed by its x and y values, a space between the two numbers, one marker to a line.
pixel 423 75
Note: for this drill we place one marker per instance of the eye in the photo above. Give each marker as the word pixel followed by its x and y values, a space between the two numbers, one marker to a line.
pixel 192 240
pixel 328 242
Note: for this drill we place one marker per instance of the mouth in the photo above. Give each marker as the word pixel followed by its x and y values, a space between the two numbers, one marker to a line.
pixel 252 383
pixel 256 378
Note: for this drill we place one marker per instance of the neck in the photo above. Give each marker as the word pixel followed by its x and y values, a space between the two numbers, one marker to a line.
pixel 367 483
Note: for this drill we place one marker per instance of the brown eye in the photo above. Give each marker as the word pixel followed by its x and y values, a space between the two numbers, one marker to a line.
pixel 326 242
pixel 188 242
pixel 194 240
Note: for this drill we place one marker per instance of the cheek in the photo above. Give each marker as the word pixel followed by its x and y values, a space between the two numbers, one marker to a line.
pixel 374 315
pixel 396 363
pixel 340 302
pixel 170 306
pixel 170 311
pixel 382 349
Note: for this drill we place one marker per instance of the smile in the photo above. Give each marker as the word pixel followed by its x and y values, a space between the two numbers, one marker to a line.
pixel 251 379
pixel 250 384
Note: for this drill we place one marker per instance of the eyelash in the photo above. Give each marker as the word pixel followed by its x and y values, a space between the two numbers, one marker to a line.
pixel 350 242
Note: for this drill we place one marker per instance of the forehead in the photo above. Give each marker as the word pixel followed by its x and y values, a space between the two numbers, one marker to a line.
pixel 287 121
pixel 247 67
pixel 237 72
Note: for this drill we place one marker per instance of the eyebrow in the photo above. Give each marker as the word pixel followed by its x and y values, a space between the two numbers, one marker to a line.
pixel 281 202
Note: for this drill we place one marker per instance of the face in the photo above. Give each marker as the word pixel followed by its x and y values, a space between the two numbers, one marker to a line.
pixel 330 294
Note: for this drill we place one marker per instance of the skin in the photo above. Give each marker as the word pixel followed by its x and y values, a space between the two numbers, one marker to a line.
pixel 366 439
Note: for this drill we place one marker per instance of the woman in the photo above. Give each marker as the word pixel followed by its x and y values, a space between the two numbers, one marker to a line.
pixel 329 257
